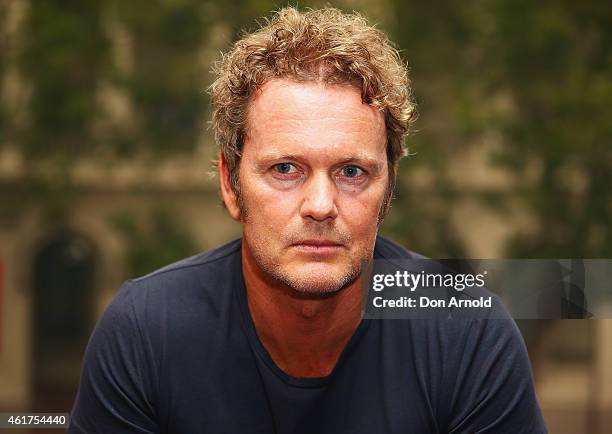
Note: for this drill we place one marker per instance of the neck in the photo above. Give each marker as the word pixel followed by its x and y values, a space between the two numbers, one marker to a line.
pixel 304 335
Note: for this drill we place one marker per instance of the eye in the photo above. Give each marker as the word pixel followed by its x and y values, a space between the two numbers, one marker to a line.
pixel 285 168
pixel 351 171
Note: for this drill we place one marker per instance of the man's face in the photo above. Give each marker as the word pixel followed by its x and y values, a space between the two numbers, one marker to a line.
pixel 313 177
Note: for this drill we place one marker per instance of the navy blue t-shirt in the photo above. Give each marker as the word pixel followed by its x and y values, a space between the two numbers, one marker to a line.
pixel 177 352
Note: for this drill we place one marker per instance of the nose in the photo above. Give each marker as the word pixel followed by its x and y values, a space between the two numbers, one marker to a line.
pixel 319 201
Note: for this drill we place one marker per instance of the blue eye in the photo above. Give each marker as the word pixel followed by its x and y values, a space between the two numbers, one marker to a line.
pixel 351 171
pixel 285 168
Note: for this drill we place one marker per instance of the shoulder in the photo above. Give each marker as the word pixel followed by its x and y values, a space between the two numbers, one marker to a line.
pixel 491 371
pixel 194 265
pixel 202 270
pixel 195 287
pixel 387 249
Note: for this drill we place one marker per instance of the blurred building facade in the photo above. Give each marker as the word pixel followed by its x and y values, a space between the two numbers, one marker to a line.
pixel 62 260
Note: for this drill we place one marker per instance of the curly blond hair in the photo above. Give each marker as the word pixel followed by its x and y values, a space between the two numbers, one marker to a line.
pixel 323 45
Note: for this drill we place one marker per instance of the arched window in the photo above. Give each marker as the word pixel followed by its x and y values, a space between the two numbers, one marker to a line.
pixel 63 283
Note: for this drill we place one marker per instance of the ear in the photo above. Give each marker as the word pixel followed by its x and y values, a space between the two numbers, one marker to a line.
pixel 227 193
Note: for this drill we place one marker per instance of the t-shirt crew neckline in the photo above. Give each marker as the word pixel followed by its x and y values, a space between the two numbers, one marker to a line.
pixel 262 352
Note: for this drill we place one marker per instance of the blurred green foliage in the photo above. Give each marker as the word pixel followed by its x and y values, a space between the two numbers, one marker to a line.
pixel 556 61
pixel 539 75
pixel 165 83
pixel 536 75
pixel 64 56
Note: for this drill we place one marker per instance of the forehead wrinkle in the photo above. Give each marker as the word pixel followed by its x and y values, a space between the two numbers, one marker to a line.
pixel 296 95
pixel 281 121
pixel 292 130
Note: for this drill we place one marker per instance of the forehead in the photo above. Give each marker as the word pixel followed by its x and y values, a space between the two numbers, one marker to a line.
pixel 302 117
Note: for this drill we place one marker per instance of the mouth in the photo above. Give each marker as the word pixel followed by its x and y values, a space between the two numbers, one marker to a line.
pixel 317 246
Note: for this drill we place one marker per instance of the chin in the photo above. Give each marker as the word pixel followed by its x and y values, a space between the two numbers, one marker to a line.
pixel 320 279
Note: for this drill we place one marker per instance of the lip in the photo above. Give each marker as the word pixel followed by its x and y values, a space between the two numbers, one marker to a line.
pixel 317 246
pixel 317 243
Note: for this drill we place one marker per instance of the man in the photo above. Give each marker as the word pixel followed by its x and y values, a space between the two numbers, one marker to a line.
pixel 265 334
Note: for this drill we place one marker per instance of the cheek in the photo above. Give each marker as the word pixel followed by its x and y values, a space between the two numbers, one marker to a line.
pixel 367 217
pixel 266 208
pixel 365 206
pixel 360 217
